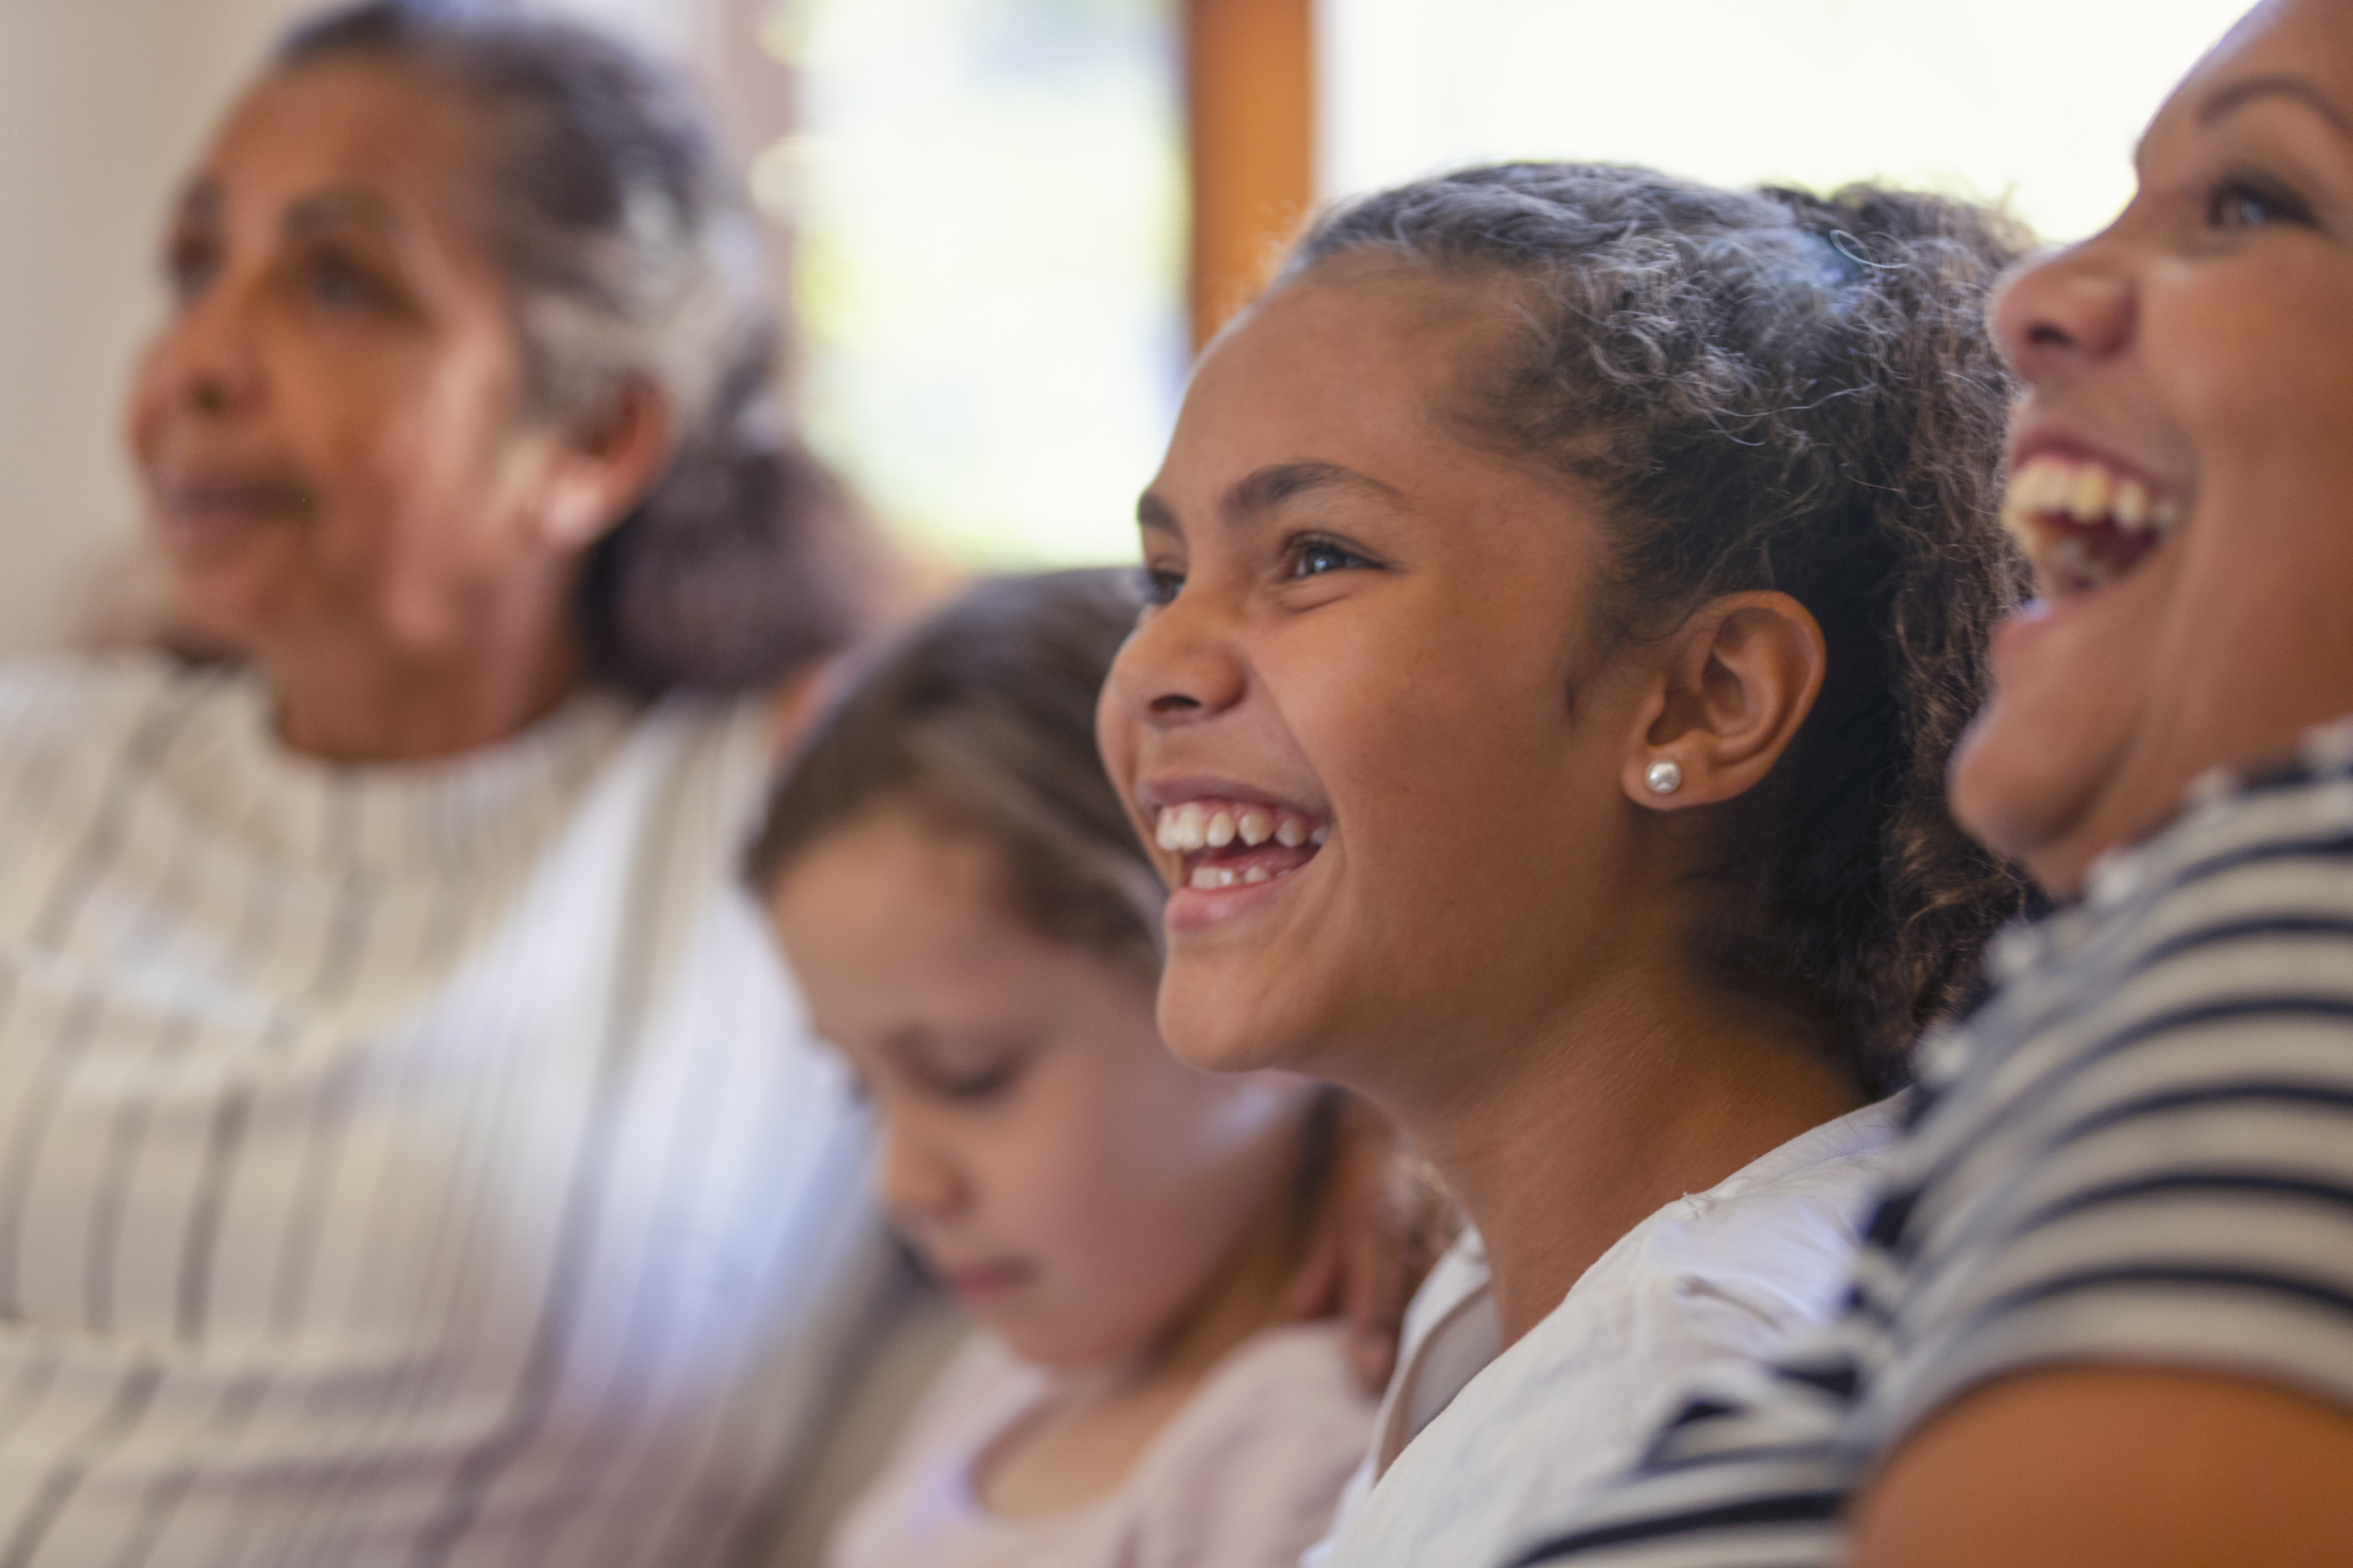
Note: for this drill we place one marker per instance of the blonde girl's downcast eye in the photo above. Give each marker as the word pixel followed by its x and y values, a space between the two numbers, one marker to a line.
pixel 973 1084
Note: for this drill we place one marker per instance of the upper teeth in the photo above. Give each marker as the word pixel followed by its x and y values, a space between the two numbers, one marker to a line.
pixel 2088 491
pixel 1214 825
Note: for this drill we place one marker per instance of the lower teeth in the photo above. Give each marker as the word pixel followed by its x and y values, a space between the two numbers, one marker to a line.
pixel 1211 878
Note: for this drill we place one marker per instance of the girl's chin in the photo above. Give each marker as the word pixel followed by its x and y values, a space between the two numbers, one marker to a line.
pixel 1215 1042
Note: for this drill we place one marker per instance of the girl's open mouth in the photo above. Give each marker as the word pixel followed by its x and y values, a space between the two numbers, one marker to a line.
pixel 1225 842
pixel 2082 524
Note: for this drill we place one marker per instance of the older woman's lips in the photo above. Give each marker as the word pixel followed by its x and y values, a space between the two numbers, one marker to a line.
pixel 212 512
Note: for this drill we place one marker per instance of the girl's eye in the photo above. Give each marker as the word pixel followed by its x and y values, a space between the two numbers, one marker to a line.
pixel 1160 584
pixel 1315 557
pixel 975 1085
pixel 2238 204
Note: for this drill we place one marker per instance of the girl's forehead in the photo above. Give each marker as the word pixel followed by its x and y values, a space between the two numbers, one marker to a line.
pixel 1363 364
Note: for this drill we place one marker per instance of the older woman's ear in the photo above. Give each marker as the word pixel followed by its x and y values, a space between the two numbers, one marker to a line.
pixel 602 464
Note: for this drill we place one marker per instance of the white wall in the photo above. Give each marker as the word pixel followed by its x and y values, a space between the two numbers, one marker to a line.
pixel 2038 100
pixel 102 103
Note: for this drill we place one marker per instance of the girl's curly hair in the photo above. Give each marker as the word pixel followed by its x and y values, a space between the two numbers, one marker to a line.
pixel 1772 390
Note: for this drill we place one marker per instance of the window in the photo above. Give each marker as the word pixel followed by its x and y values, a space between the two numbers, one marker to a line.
pixel 2040 100
pixel 987 202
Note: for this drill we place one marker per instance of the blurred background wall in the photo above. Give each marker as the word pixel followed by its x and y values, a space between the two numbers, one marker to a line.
pixel 100 101
pixel 1003 223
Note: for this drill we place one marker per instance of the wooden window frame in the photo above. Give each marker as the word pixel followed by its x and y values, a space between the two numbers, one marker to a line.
pixel 1250 110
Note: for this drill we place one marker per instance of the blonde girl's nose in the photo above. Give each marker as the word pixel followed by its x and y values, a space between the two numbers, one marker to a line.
pixel 915 1181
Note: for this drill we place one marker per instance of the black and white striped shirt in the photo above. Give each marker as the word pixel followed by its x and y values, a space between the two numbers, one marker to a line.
pixel 419 1165
pixel 2140 1150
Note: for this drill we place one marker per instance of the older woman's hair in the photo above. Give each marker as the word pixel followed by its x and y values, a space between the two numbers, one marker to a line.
pixel 609 212
pixel 1772 390
pixel 982 721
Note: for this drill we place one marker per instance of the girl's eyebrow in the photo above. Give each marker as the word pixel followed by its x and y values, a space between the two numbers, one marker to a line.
pixel 1268 487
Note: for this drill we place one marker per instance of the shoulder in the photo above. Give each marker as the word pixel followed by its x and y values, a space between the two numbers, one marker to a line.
pixel 59 698
pixel 981 1384
pixel 69 722
pixel 1287 1385
pixel 2141 1150
pixel 1250 1472
pixel 1732 1270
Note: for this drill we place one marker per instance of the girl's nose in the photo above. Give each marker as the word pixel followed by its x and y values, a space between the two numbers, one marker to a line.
pixel 1179 667
pixel 2068 310
pixel 915 1183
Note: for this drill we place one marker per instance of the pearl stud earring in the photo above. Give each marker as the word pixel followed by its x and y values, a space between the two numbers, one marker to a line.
pixel 1663 777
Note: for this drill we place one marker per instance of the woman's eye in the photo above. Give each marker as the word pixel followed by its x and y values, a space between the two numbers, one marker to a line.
pixel 2238 204
pixel 188 266
pixel 1315 557
pixel 1160 584
pixel 338 285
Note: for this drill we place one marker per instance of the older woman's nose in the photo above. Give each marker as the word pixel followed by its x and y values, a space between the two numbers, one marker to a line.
pixel 2075 306
pixel 1179 667
pixel 209 358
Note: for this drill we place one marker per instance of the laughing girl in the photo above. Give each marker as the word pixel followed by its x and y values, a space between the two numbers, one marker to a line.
pixel 1569 583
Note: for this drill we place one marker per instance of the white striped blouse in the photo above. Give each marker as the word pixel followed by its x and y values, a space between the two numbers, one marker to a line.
pixel 403 1164
pixel 2140 1150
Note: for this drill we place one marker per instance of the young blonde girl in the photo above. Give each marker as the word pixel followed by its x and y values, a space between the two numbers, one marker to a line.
pixel 953 880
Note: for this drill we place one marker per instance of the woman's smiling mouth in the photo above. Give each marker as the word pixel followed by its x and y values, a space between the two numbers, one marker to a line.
pixel 2084 523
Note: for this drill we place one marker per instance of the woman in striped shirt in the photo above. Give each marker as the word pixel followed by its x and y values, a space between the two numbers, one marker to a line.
pixel 2104 1316
pixel 408 1151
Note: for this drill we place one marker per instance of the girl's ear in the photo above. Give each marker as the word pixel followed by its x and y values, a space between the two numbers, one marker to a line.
pixel 1730 689
pixel 603 463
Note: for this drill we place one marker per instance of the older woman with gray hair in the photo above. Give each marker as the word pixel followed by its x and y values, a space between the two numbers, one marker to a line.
pixel 408 1151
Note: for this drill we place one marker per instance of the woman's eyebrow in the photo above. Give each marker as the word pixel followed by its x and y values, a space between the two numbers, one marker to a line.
pixel 330 208
pixel 200 201
pixel 2237 94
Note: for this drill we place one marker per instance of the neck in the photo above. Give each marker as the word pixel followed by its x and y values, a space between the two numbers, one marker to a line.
pixel 351 696
pixel 1243 1296
pixel 1588 1120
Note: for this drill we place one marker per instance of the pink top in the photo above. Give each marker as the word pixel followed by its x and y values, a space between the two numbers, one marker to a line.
pixel 1244 1477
